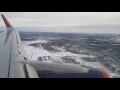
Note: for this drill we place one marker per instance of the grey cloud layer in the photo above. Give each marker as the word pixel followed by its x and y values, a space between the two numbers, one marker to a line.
pixel 30 19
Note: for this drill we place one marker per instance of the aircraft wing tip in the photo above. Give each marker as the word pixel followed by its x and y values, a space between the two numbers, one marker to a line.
pixel 6 21
pixel 2 15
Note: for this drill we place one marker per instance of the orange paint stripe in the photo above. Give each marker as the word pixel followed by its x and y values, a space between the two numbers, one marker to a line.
pixel 105 74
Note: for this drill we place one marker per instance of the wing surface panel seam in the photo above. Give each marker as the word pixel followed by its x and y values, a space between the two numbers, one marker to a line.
pixel 10 57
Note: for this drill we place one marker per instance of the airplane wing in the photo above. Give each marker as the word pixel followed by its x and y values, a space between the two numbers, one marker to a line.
pixel 11 50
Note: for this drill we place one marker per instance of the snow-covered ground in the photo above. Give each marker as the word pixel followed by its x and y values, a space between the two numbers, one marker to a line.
pixel 34 53
pixel 35 41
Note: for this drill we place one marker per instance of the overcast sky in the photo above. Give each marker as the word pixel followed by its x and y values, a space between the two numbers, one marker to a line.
pixel 52 19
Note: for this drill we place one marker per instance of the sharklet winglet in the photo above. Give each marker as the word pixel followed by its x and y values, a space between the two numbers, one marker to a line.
pixel 8 25
pixel 9 28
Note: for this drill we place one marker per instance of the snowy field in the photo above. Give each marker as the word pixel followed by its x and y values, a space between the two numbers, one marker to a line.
pixel 93 50
pixel 34 53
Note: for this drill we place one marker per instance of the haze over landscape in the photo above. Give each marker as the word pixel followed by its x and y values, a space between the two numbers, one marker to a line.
pixel 85 22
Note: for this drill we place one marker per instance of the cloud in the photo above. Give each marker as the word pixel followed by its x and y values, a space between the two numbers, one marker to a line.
pixel 115 29
pixel 50 19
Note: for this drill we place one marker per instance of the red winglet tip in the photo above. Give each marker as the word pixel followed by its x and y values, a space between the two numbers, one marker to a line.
pixel 5 20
